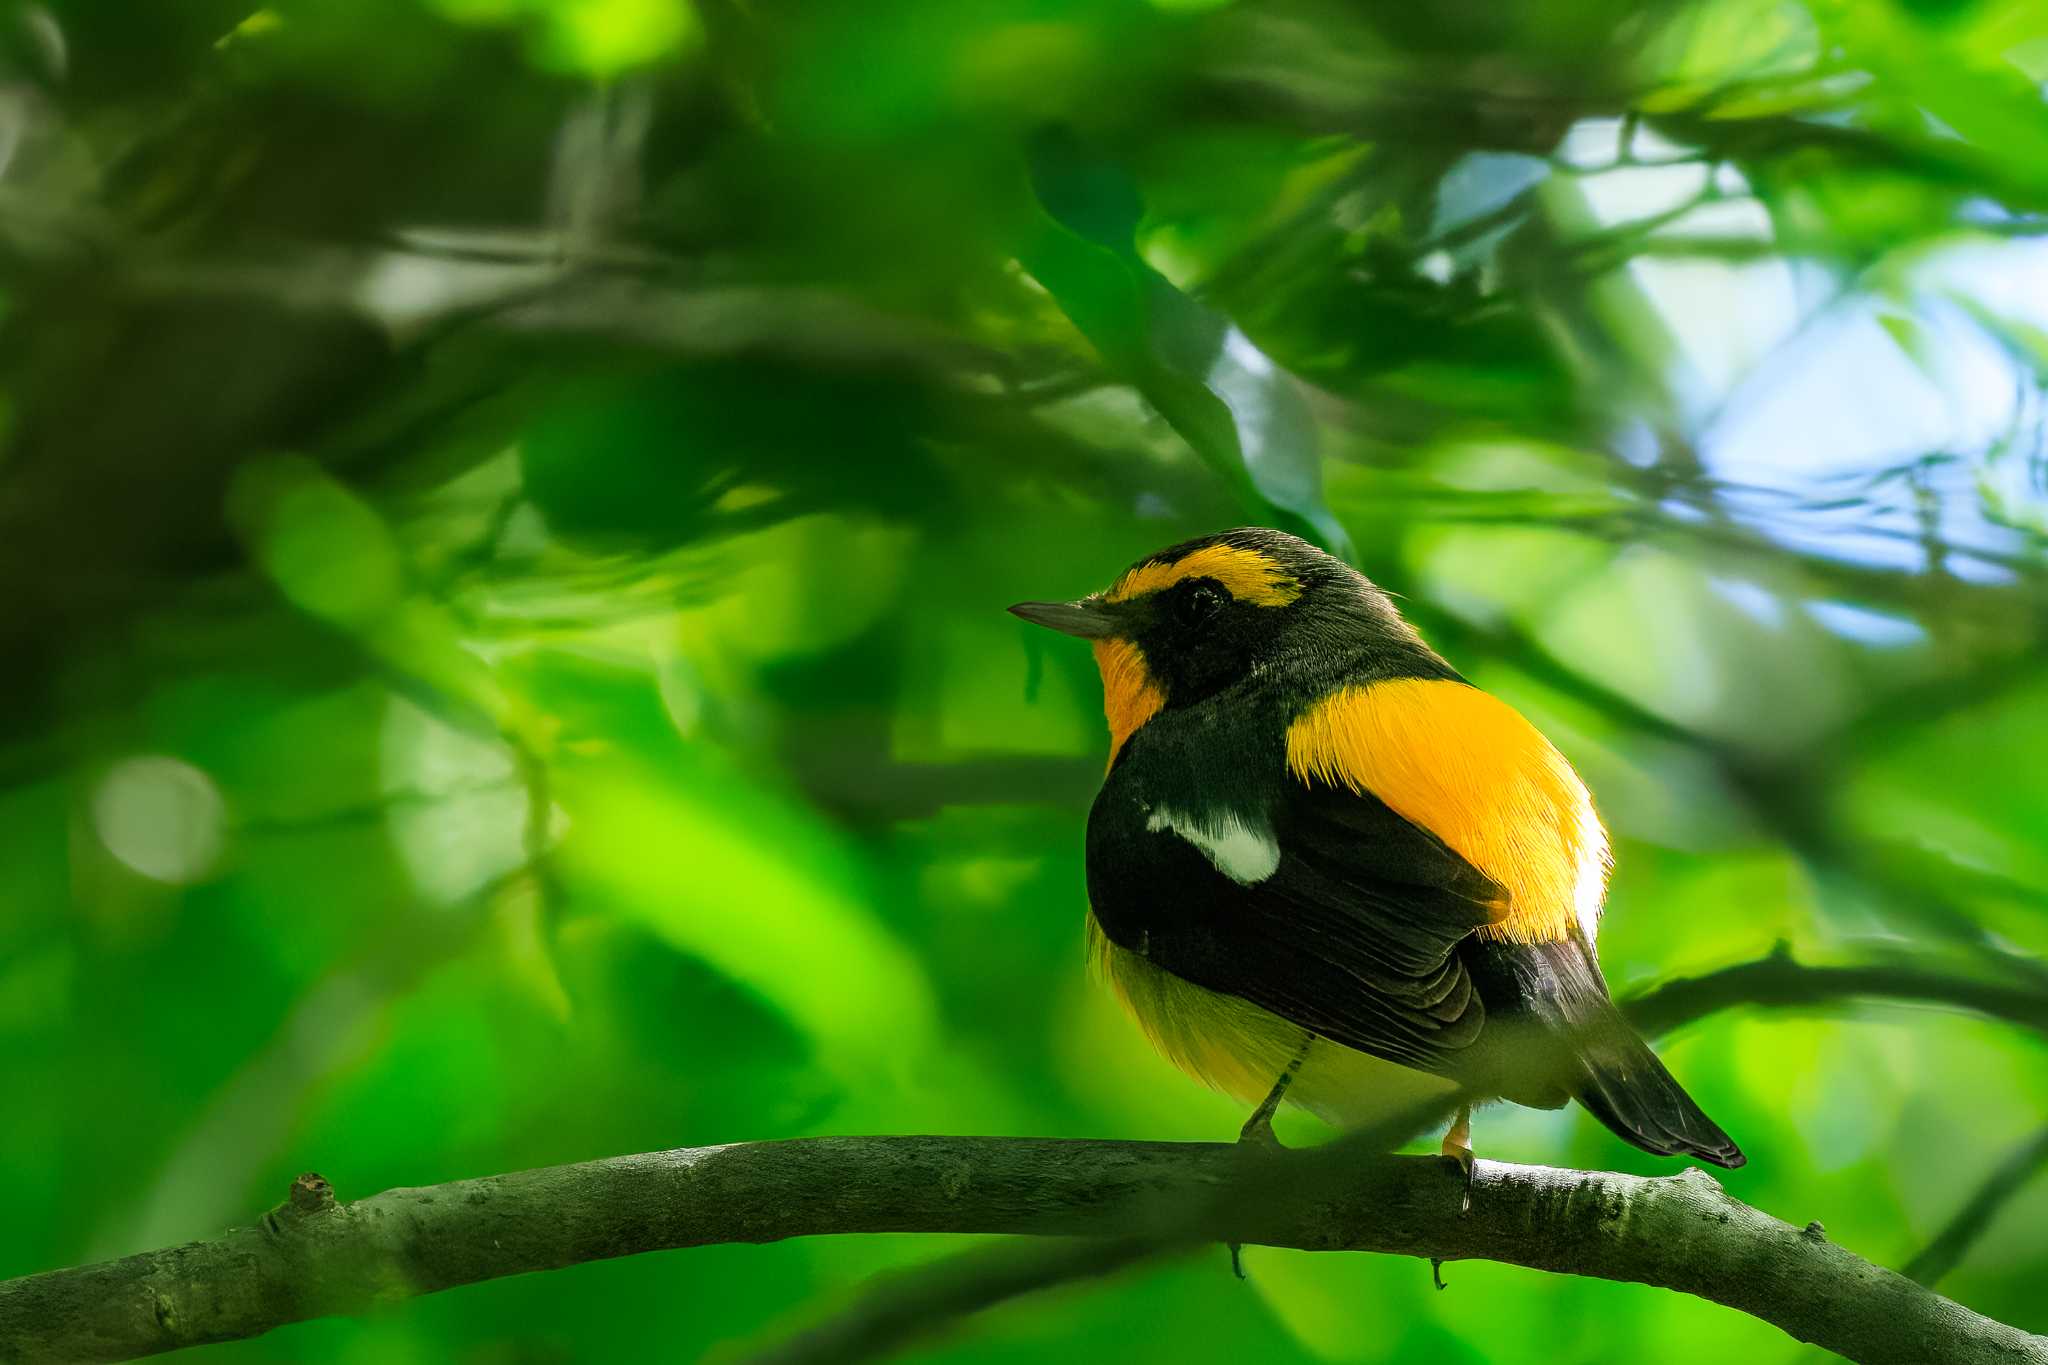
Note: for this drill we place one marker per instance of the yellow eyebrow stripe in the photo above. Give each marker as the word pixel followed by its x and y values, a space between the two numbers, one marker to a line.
pixel 1247 575
pixel 1468 768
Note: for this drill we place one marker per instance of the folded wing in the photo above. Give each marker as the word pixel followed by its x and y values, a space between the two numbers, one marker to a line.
pixel 1351 934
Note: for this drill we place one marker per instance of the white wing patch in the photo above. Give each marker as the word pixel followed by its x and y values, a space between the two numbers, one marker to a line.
pixel 1243 852
pixel 1591 891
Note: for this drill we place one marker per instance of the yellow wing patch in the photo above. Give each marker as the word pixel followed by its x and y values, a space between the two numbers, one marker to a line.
pixel 1247 575
pixel 1129 696
pixel 1470 769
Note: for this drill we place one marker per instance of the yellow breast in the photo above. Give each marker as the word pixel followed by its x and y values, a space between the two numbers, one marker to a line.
pixel 1234 1046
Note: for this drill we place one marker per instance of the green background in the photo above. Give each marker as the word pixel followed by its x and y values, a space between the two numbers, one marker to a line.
pixel 506 508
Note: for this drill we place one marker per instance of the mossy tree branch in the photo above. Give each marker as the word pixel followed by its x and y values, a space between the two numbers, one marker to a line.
pixel 313 1256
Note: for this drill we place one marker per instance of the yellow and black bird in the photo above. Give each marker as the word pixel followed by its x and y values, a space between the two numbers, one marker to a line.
pixel 1323 865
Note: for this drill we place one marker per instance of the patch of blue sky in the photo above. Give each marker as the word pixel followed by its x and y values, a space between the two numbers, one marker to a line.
pixel 1866 625
pixel 1723 317
pixel 1753 600
pixel 1843 397
pixel 1793 381
pixel 1482 183
pixel 1595 143
pixel 1879 526
pixel 1843 400
pixel 2008 277
pixel 1629 194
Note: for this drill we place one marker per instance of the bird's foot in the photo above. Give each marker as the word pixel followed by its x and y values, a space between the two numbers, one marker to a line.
pixel 1460 1156
pixel 1258 1134
pixel 1457 1149
pixel 1256 1138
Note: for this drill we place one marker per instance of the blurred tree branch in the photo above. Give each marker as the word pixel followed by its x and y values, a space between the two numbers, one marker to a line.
pixel 1776 979
pixel 313 1256
pixel 1947 1250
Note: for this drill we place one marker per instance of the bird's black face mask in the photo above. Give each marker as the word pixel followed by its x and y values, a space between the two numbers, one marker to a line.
pixel 1197 639
pixel 1194 636
pixel 1193 620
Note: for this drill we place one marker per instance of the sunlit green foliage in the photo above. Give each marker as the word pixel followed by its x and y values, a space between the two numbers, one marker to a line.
pixel 506 508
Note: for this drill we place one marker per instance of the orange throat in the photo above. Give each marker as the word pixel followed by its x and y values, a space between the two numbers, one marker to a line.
pixel 1129 696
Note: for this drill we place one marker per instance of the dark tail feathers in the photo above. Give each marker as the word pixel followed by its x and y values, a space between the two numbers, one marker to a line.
pixel 1628 1089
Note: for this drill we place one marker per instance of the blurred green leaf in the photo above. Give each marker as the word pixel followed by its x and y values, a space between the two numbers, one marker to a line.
pixel 598 729
pixel 759 890
pixel 598 38
pixel 1238 410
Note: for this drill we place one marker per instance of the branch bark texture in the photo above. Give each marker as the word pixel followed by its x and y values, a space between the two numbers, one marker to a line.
pixel 313 1257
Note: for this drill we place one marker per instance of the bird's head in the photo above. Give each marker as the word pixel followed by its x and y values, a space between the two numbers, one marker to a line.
pixel 1195 618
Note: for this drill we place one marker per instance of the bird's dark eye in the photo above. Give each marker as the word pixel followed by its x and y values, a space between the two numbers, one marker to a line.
pixel 1198 604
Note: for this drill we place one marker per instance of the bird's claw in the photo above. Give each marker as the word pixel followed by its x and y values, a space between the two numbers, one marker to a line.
pixel 1258 1133
pixel 1460 1156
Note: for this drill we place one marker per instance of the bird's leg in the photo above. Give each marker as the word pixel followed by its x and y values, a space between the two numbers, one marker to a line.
pixel 1457 1147
pixel 1258 1129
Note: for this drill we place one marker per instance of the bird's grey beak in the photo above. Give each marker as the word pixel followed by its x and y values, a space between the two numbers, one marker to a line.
pixel 1091 618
